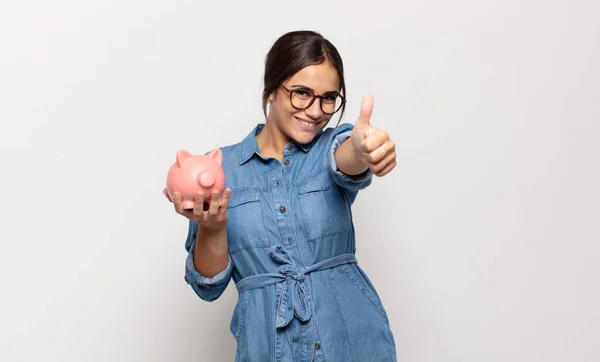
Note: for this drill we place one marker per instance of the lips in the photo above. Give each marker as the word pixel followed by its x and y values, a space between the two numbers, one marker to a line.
pixel 307 124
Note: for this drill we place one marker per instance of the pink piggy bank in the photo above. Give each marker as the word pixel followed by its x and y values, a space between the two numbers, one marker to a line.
pixel 192 173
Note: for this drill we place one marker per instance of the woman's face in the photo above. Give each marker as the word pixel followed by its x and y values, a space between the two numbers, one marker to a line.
pixel 303 125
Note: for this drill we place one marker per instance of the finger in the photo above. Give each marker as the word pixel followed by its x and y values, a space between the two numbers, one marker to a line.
pixel 381 166
pixel 214 203
pixel 199 204
pixel 381 152
pixel 225 199
pixel 177 202
pixel 366 109
pixel 167 194
pixel 386 170
pixel 373 142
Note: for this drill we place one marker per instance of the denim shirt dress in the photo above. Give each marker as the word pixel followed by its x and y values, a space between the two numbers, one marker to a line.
pixel 301 294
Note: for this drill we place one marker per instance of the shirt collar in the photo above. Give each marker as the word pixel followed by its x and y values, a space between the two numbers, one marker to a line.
pixel 249 146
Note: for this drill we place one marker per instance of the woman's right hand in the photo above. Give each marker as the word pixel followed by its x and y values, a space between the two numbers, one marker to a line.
pixel 211 220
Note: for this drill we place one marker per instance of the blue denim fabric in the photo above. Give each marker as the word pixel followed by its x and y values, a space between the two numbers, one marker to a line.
pixel 301 294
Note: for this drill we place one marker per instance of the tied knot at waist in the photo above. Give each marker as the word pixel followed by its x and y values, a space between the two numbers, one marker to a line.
pixel 293 300
pixel 292 271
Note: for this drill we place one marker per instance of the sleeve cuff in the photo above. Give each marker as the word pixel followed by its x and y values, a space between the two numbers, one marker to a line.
pixel 192 275
pixel 352 182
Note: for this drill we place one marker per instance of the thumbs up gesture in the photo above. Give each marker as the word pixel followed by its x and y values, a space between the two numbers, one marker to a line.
pixel 372 146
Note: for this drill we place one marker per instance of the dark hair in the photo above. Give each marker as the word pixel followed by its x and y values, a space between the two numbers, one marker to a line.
pixel 296 50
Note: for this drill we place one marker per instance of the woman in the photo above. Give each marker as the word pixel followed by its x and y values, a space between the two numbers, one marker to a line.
pixel 283 227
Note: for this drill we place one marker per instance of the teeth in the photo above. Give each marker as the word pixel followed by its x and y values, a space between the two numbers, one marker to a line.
pixel 305 123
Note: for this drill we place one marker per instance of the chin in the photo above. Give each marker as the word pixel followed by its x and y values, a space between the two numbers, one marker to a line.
pixel 304 131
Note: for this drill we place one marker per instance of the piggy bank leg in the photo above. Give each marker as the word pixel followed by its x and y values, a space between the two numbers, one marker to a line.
pixel 188 204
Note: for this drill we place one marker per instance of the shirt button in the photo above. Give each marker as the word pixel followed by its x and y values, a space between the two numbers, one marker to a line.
pixel 282 209
pixel 286 162
pixel 290 147
pixel 317 345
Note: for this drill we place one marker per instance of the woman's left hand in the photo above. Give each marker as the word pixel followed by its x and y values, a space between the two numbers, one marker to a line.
pixel 372 146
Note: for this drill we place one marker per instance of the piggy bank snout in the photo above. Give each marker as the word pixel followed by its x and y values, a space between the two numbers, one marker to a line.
pixel 206 179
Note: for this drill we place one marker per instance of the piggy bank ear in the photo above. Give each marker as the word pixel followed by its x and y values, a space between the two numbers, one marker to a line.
pixel 182 155
pixel 216 155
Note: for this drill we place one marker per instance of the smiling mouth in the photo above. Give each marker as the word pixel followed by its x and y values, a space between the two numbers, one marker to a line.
pixel 306 124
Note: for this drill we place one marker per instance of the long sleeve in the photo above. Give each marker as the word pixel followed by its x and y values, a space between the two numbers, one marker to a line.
pixel 208 289
pixel 351 184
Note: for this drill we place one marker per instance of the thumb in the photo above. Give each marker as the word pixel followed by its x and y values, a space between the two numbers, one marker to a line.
pixel 366 109
pixel 167 194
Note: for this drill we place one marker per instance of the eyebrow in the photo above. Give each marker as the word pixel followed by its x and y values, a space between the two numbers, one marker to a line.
pixel 312 90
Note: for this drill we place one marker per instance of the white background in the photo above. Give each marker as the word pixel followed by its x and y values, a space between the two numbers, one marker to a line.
pixel 483 243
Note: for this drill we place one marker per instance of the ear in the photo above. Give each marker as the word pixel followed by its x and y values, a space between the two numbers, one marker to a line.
pixel 216 155
pixel 182 155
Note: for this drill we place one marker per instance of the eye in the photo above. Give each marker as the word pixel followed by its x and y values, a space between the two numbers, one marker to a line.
pixel 302 93
pixel 331 98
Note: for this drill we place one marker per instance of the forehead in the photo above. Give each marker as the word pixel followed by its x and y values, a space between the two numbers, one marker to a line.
pixel 320 77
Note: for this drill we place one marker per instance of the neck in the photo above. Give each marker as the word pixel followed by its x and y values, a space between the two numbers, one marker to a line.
pixel 271 141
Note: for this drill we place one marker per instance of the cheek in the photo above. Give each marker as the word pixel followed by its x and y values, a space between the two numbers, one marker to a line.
pixel 326 121
pixel 282 108
pixel 284 115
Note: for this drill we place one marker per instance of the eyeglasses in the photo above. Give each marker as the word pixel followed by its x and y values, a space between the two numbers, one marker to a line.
pixel 303 98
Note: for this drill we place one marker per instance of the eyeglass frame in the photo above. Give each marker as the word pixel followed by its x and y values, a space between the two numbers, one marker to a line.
pixel 314 97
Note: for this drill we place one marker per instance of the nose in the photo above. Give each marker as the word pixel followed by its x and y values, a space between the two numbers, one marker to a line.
pixel 314 111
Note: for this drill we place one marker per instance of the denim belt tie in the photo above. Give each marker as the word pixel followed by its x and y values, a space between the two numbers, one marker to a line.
pixel 293 299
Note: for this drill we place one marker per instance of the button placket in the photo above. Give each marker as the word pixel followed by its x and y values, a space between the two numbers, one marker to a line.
pixel 278 201
pixel 289 148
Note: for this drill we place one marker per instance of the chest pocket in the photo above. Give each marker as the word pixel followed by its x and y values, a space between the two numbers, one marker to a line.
pixel 323 208
pixel 245 226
